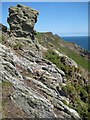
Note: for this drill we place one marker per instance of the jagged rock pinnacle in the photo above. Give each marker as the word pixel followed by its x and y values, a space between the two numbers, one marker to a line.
pixel 22 20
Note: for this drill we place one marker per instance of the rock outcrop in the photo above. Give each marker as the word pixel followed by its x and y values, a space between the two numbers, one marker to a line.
pixel 3 28
pixel 22 20
pixel 66 60
pixel 35 80
pixel 35 86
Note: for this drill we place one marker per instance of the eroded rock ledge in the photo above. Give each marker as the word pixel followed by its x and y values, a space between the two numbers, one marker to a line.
pixel 22 20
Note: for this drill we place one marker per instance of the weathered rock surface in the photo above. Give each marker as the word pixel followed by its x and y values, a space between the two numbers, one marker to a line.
pixel 22 20
pixel 67 60
pixel 34 79
pixel 35 86
pixel 3 28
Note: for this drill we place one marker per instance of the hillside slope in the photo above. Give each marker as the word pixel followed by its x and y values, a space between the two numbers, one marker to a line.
pixel 72 50
pixel 75 62
pixel 38 74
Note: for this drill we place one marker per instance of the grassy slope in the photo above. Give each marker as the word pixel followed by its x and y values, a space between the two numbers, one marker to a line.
pixel 55 42
pixel 78 93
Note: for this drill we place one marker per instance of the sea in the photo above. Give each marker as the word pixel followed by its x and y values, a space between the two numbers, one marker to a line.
pixel 82 41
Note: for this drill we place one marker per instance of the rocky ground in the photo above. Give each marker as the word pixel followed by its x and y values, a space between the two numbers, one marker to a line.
pixel 31 84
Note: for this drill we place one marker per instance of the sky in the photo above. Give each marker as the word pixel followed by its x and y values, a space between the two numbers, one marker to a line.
pixel 62 18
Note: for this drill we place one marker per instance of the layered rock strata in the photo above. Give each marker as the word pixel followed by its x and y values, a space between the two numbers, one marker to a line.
pixel 35 80
pixel 22 20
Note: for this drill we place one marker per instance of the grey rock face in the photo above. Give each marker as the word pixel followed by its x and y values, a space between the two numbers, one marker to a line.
pixel 35 88
pixel 35 79
pixel 66 59
pixel 3 28
pixel 22 20
pixel 70 62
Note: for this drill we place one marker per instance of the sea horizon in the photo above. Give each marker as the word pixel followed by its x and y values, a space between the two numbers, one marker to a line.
pixel 81 41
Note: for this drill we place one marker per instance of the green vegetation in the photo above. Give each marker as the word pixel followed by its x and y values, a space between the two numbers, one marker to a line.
pixel 6 83
pixel 77 58
pixel 51 41
pixel 18 46
pixel 79 98
pixel 76 91
pixel 2 39
pixel 60 62
pixel 65 102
